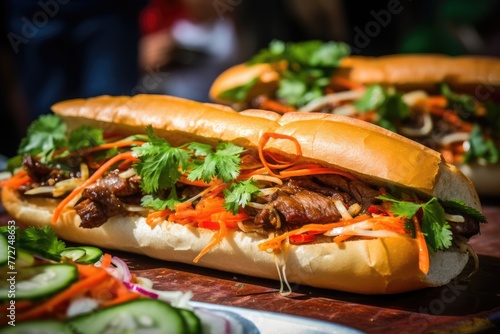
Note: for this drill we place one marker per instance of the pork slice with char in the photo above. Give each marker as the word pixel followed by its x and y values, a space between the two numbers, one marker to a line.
pixel 306 207
pixel 99 193
pixel 92 214
pixel 119 186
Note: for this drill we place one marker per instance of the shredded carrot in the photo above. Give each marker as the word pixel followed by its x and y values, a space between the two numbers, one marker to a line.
pixel 273 105
pixel 314 171
pixel 157 216
pixel 346 83
pixel 275 243
pixel 263 142
pixel 216 239
pixel 302 238
pixel 116 144
pixel 197 183
pixel 119 157
pixel 65 295
pixel 341 238
pixel 16 180
pixel 439 101
pixel 121 299
pixel 106 260
pixel 423 251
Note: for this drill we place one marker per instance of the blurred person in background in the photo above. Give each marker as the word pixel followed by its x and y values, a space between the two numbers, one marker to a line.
pixel 73 48
pixel 185 44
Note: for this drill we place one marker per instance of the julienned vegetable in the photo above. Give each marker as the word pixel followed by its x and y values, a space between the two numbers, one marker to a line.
pixel 101 296
pixel 252 192
pixel 229 186
pixel 407 94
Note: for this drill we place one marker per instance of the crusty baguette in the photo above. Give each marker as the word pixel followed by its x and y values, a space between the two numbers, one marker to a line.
pixel 378 266
pixel 388 265
pixel 473 74
pixel 337 141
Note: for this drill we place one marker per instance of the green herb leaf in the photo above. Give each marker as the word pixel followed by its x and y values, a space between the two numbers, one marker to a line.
pixel 310 67
pixel 493 117
pixel 239 93
pixel 44 136
pixel 459 207
pixel 436 229
pixel 463 103
pixel 481 148
pixel 239 194
pixel 84 136
pixel 159 163
pixel 373 97
pixel 389 106
pixel 401 208
pixel 41 240
pixel 224 163
pixel 158 204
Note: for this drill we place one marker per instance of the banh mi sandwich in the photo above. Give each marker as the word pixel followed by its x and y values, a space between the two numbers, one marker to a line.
pixel 450 104
pixel 316 199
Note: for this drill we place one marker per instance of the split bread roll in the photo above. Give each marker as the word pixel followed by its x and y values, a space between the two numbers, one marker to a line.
pixel 477 75
pixel 370 153
pixel 422 74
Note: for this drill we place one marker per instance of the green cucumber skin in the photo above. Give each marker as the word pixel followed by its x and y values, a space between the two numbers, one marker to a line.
pixel 167 319
pixel 36 327
pixel 92 255
pixel 64 276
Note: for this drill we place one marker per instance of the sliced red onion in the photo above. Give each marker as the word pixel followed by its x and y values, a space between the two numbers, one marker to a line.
pixel 123 268
pixel 176 298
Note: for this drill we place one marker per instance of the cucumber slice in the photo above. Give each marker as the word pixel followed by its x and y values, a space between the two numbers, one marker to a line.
pixel 73 253
pixel 36 327
pixel 138 316
pixel 193 323
pixel 24 258
pixel 92 255
pixel 42 281
pixel 4 246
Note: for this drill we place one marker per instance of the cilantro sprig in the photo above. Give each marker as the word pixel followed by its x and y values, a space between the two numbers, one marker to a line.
pixel 162 165
pixel 463 103
pixel 388 104
pixel 48 134
pixel 436 229
pixel 310 65
pixel 38 240
pixel 239 194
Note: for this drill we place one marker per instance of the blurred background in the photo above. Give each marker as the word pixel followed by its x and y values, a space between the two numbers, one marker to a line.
pixel 53 50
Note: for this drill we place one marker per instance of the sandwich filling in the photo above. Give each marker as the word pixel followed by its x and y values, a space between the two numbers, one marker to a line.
pixel 225 188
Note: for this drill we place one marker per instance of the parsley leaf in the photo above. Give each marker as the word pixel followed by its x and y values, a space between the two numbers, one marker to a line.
pixel 389 106
pixel 44 136
pixel 223 163
pixel 159 163
pixel 239 194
